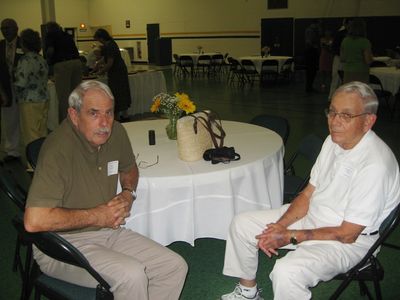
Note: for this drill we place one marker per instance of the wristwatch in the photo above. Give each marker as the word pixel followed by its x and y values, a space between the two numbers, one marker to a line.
pixel 293 239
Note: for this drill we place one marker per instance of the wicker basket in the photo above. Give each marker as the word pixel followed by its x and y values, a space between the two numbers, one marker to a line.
pixel 191 146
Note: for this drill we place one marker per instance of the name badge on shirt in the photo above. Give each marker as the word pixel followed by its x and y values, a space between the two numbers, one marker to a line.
pixel 19 51
pixel 112 168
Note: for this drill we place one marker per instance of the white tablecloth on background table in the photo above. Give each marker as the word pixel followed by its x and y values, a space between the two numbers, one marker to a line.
pixel 389 77
pixel 143 87
pixel 258 60
pixel 183 201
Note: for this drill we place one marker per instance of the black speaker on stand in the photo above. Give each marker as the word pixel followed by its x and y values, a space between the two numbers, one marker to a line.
pixel 163 51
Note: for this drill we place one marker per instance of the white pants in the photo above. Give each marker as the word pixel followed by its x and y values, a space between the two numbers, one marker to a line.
pixel 336 81
pixel 10 130
pixel 295 273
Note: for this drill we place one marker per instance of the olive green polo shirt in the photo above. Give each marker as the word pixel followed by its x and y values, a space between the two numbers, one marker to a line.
pixel 71 173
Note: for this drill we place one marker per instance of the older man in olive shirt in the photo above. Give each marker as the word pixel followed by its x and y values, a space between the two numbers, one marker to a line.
pixel 74 192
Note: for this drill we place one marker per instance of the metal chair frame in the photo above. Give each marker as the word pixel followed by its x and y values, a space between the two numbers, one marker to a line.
pixel 369 268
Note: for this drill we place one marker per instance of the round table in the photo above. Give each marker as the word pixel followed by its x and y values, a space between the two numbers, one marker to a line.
pixel 182 201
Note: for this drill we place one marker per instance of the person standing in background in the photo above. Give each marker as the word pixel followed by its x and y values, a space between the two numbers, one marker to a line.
pixel 337 65
pixel 117 73
pixel 355 53
pixel 10 52
pixel 63 56
pixel 311 53
pixel 325 58
pixel 31 77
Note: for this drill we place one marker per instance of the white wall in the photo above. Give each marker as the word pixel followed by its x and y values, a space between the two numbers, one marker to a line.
pixel 188 18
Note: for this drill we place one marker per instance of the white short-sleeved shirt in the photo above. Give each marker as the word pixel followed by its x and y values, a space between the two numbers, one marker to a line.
pixel 360 185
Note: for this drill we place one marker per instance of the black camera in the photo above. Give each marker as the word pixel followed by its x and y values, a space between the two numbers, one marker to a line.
pixel 222 154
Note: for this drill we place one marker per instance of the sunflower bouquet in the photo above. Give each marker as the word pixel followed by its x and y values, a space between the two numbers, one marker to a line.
pixel 173 106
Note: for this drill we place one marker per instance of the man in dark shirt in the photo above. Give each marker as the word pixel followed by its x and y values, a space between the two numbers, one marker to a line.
pixel 63 56
pixel 337 65
pixel 10 52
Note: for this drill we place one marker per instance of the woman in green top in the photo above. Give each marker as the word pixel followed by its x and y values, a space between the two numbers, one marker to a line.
pixel 355 53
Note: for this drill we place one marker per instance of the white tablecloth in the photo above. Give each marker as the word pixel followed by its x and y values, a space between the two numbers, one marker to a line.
pixel 389 76
pixel 183 201
pixel 143 86
pixel 258 60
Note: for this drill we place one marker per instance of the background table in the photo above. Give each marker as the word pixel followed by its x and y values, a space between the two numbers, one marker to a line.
pixel 389 77
pixel 182 201
pixel 258 60
pixel 143 87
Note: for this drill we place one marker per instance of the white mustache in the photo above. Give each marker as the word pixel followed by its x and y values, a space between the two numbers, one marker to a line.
pixel 103 130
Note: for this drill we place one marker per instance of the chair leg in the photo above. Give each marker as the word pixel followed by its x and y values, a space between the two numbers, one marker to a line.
pixel 340 289
pixel 28 275
pixel 378 291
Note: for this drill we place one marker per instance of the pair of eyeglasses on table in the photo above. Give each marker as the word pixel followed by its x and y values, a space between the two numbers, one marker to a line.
pixel 145 164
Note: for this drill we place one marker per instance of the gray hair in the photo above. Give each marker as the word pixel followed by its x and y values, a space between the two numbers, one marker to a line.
pixel 365 92
pixel 75 100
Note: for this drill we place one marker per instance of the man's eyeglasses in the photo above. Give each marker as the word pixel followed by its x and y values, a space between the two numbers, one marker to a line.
pixel 144 164
pixel 345 117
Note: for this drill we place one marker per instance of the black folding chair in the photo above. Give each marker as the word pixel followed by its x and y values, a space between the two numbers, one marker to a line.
pixel 276 123
pixel 307 153
pixel 369 268
pixel 56 247
pixel 17 195
pixel 249 70
pixel 381 93
pixel 269 70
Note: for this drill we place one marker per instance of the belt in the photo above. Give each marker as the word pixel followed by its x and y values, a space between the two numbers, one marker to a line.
pixel 371 233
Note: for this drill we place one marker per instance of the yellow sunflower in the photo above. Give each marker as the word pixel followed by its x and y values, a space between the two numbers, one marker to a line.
pixel 184 103
pixel 156 105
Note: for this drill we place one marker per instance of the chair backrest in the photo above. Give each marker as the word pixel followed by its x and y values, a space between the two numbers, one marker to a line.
pixel 248 65
pixel 276 123
pixel 386 228
pixel 309 148
pixel 375 82
pixel 377 63
pixel 55 246
pixel 217 59
pixel 287 65
pixel 270 65
pixel 204 60
pixel 186 60
pixel 32 151
pixel 11 188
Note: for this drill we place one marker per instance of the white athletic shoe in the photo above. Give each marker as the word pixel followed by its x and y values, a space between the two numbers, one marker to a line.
pixel 237 295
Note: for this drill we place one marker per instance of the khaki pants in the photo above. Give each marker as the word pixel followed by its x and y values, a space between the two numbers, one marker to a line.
pixel 33 120
pixel 134 266
pixel 10 131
